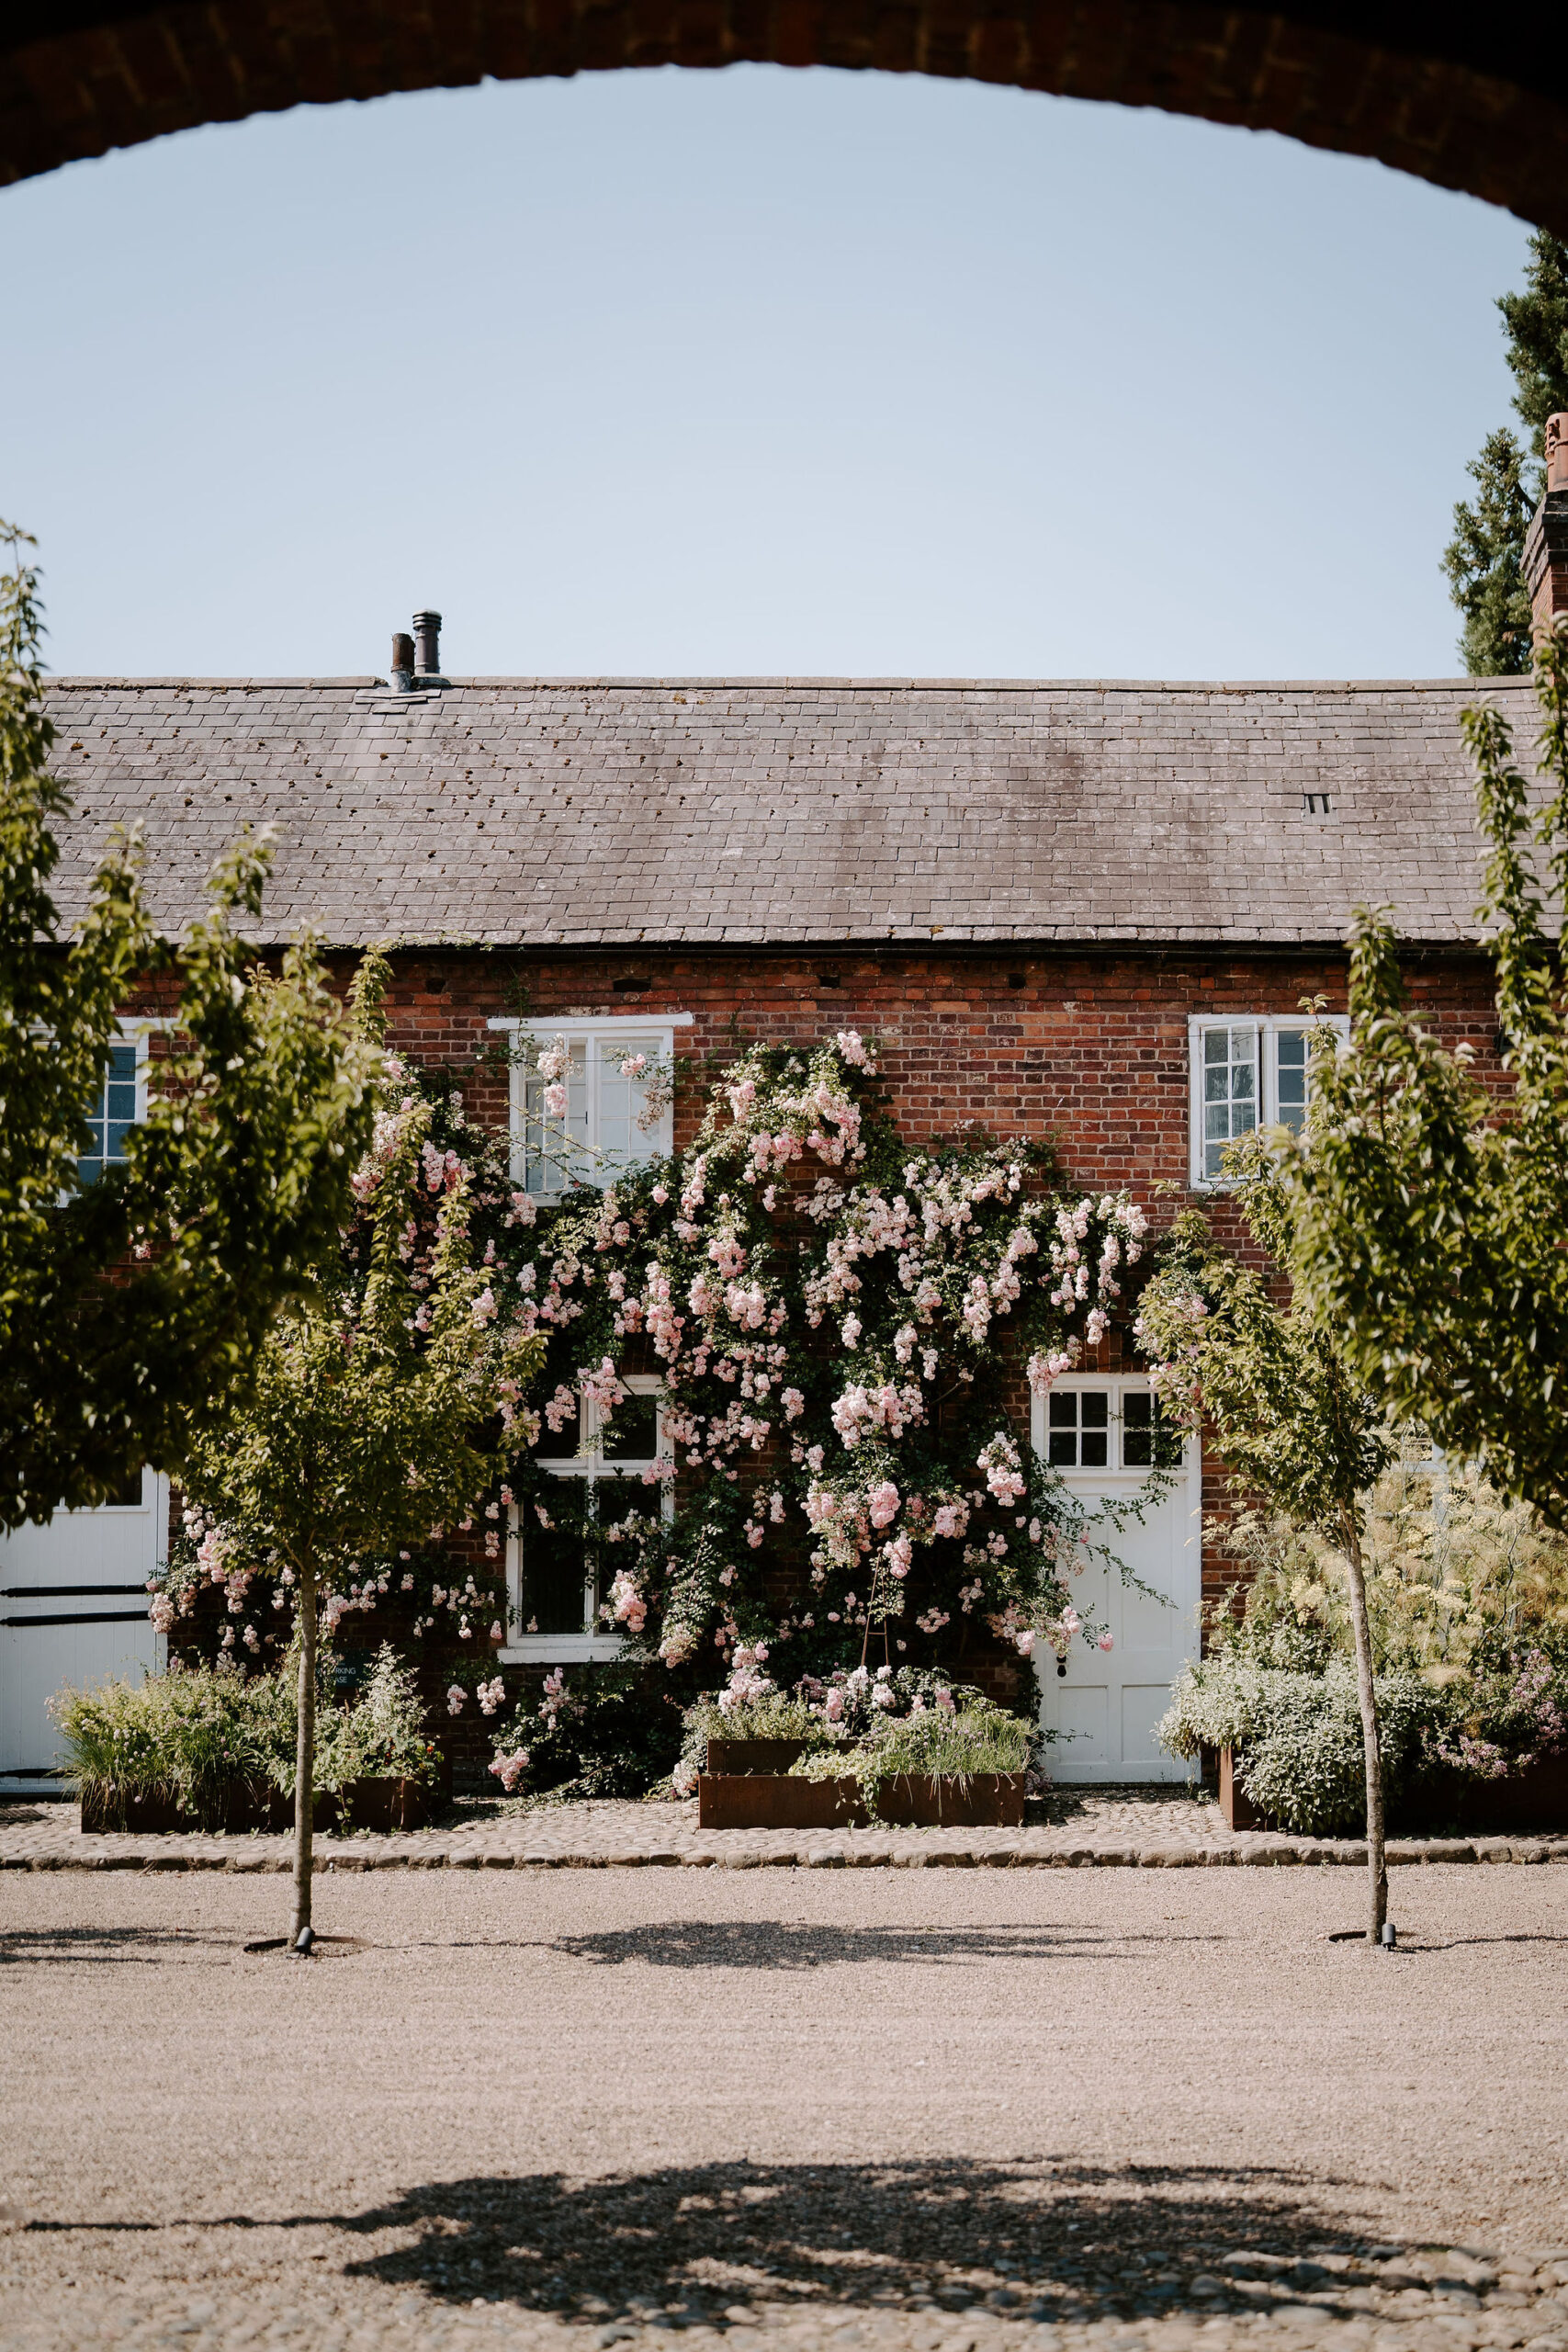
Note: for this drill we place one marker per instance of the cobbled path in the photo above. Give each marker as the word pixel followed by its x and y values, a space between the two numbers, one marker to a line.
pixel 1139 1827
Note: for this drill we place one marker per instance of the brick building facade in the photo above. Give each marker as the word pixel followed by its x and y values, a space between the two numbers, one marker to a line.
pixel 1044 899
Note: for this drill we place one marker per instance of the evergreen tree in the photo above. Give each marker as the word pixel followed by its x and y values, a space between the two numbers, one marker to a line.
pixel 1537 321
pixel 1485 559
pixel 1484 562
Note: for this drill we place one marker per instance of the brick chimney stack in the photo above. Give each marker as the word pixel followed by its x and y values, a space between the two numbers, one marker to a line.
pixel 1546 542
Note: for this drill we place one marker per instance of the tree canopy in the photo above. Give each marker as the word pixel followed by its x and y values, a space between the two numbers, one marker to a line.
pixel 1429 1210
pixel 1485 559
pixel 130 1305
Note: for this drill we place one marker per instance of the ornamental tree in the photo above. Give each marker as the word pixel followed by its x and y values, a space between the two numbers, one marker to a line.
pixel 382 1410
pixel 1285 1406
pixel 1428 1212
pixel 131 1307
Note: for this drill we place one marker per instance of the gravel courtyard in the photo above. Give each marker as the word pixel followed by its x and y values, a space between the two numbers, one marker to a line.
pixel 903 2109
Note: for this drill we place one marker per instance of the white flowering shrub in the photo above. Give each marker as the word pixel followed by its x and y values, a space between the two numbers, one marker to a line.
pixel 1297 1738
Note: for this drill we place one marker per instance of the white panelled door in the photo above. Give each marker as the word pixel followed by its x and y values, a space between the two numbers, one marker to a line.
pixel 73 1609
pixel 1103 1437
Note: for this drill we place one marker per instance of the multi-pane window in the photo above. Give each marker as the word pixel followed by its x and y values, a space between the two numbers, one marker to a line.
pixel 614 1105
pixel 111 1114
pixel 1079 1428
pixel 1293 1049
pixel 1111 1425
pixel 1230 1089
pixel 1148 1440
pixel 1247 1073
pixel 565 1550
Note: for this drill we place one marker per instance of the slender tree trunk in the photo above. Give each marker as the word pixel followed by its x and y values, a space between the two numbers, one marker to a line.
pixel 305 1752
pixel 1367 1691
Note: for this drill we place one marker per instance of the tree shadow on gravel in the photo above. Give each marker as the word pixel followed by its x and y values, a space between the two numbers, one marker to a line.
pixel 805 1944
pixel 703 2245
pixel 111 1947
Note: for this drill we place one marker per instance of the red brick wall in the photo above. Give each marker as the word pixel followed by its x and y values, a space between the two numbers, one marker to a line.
pixel 1088 1048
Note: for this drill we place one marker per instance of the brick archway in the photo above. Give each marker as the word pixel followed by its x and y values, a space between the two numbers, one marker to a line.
pixel 1470 98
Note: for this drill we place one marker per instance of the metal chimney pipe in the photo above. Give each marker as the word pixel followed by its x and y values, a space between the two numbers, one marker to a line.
pixel 402 661
pixel 427 636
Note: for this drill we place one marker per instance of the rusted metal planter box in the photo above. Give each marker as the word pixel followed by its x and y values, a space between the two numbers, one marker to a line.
pixel 774 1800
pixel 1533 1800
pixel 909 1800
pixel 952 1801
pixel 250 1804
pixel 1234 1804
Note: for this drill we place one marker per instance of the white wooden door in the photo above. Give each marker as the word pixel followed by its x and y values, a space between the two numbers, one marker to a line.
pixel 73 1609
pixel 1101 1435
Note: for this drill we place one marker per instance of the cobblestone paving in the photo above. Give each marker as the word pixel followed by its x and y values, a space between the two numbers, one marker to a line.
pixel 1147 1828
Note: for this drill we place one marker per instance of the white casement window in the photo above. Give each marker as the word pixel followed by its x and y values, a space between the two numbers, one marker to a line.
pixel 1112 1425
pixel 1248 1070
pixel 559 1575
pixel 613 1115
pixel 118 1105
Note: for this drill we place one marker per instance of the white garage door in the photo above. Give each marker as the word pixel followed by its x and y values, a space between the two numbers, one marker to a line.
pixel 1100 1434
pixel 73 1609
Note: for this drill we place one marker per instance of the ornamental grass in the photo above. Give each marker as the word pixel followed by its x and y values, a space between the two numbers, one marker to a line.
pixel 184 1736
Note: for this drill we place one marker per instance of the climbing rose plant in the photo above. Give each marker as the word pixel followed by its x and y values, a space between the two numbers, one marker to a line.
pixel 842 1329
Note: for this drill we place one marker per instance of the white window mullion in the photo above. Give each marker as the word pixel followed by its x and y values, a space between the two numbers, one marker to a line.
pixel 594 1048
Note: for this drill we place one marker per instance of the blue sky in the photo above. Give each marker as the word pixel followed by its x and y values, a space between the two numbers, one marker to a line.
pixel 748 373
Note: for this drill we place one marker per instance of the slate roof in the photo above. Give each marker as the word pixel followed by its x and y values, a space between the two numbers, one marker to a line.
pixel 626 811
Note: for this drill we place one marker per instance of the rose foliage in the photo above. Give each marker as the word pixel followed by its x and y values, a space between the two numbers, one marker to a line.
pixel 840 1328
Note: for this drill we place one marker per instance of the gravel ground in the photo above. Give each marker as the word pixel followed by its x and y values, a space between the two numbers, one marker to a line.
pixel 923 2111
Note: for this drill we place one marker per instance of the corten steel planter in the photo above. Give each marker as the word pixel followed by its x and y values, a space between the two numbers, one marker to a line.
pixel 1234 1804
pixel 248 1805
pixel 775 1801
pixel 952 1800
pixel 1534 1799
pixel 753 1754
pixel 905 1801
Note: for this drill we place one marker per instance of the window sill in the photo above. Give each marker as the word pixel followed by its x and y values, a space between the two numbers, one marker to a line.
pixel 559 1649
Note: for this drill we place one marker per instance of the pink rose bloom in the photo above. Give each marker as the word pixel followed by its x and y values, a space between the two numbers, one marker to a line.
pixel 1025 1643
pixel 884 1504
pixel 1103 1642
pixel 555 1100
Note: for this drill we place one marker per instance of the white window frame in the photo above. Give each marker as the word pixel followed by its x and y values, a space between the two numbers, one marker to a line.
pixel 137 1033
pixel 592 1032
pixel 1268 1026
pixel 565 1649
pixel 1116 1472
